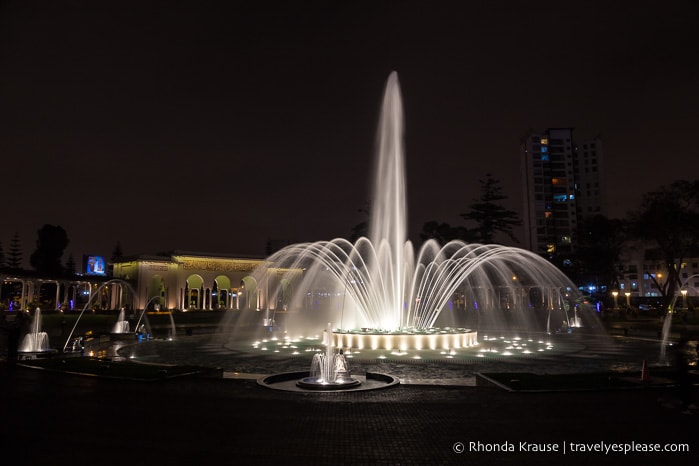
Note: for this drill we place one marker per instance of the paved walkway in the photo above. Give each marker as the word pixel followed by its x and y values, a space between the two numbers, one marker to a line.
pixel 56 419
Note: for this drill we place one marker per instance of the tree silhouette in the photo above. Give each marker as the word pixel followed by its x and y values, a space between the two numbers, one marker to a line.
pixel 600 244
pixel 669 219
pixel 46 259
pixel 362 228
pixel 14 254
pixel 117 253
pixel 70 265
pixel 491 217
pixel 443 232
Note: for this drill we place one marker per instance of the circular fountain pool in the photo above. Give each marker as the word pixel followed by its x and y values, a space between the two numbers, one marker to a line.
pixel 289 381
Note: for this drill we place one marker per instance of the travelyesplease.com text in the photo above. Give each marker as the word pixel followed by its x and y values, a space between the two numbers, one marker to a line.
pixel 569 447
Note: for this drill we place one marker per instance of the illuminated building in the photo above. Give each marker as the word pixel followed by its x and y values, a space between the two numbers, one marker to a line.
pixel 187 280
pixel 562 184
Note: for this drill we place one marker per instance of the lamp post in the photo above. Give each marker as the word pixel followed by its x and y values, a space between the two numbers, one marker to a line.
pixel 628 299
pixel 616 295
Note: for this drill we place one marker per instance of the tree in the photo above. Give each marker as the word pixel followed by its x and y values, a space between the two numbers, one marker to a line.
pixel 117 253
pixel 46 259
pixel 362 228
pixel 600 242
pixel 669 220
pixel 70 265
pixel 14 255
pixel 490 217
pixel 443 232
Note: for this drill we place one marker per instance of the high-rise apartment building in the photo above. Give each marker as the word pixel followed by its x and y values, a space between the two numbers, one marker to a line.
pixel 562 184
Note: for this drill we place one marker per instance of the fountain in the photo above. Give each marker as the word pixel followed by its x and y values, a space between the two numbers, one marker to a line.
pixel 76 343
pixel 329 371
pixel 380 293
pixel 122 325
pixel 35 341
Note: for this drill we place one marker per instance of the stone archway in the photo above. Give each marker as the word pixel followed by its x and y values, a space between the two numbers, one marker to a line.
pixel 247 294
pixel 220 295
pixel 283 299
pixel 156 291
pixel 194 292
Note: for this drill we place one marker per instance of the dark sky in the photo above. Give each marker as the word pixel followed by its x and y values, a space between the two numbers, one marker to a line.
pixel 213 126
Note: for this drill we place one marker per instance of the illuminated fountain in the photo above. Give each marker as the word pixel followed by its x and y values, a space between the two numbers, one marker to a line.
pixel 383 294
pixel 92 298
pixel 35 341
pixel 121 325
pixel 329 371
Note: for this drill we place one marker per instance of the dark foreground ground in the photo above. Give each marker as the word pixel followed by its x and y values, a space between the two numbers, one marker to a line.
pixel 54 419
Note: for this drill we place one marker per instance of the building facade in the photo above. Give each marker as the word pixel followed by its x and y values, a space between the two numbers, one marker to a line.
pixel 561 179
pixel 187 280
pixel 643 274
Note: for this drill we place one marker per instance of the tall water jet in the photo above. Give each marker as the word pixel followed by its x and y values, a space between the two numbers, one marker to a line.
pixel 121 325
pixel 380 288
pixel 89 301
pixel 36 341
pixel 329 371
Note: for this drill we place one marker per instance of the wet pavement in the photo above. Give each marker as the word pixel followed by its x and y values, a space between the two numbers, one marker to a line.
pixel 569 353
pixel 436 415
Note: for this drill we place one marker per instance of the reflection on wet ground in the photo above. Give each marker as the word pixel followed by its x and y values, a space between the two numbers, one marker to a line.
pixel 544 354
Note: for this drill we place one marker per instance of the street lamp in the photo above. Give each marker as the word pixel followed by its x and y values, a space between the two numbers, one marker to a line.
pixel 628 299
pixel 616 295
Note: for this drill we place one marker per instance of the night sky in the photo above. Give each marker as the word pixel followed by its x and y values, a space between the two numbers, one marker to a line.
pixel 215 126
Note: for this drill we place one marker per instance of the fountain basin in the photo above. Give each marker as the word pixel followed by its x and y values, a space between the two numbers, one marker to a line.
pixel 433 339
pixel 312 383
pixel 288 381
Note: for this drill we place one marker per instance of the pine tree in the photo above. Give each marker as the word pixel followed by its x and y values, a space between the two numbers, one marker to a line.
pixel 491 217
pixel 117 253
pixel 14 255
